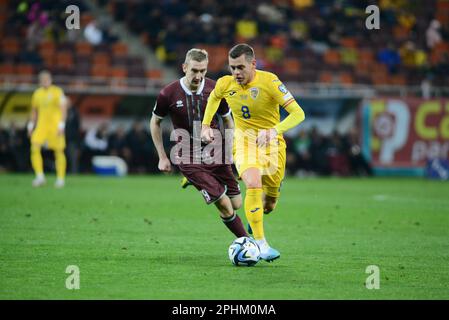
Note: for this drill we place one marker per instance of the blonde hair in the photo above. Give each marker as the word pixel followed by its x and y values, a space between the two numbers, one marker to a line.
pixel 196 55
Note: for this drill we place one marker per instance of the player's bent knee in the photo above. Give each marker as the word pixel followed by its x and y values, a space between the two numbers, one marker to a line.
pixel 225 207
pixel 252 179
pixel 236 202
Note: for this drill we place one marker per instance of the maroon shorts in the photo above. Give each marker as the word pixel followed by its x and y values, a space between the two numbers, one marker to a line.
pixel 212 180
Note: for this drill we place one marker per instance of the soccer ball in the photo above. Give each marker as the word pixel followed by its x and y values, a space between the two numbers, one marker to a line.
pixel 244 251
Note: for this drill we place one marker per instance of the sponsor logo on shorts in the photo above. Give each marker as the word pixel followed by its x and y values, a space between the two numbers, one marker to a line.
pixel 253 211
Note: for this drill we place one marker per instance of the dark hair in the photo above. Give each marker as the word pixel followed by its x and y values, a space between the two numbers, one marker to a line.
pixel 240 49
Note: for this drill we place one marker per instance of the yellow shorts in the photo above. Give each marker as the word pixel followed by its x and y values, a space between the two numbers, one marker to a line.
pixel 271 165
pixel 42 136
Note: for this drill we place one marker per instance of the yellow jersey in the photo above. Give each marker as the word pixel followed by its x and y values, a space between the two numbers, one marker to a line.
pixel 256 104
pixel 48 101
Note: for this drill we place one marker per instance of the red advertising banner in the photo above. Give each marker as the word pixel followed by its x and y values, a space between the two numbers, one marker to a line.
pixel 404 133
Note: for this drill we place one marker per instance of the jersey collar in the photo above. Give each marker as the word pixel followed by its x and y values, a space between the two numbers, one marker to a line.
pixel 249 84
pixel 187 90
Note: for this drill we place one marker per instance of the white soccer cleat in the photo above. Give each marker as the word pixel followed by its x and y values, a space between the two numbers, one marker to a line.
pixel 38 182
pixel 60 183
pixel 270 255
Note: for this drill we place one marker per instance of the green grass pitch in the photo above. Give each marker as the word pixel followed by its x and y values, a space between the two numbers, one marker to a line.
pixel 146 238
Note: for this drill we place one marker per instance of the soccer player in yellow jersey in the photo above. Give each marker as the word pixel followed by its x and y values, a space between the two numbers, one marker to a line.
pixel 254 97
pixel 47 125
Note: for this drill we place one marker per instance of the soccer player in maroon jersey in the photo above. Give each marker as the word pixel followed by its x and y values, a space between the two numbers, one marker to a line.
pixel 185 100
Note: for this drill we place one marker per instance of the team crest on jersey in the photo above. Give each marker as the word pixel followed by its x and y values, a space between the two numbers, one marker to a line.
pixel 179 104
pixel 254 92
pixel 282 88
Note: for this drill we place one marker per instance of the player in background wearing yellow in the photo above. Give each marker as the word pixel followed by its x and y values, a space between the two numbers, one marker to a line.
pixel 46 127
pixel 254 97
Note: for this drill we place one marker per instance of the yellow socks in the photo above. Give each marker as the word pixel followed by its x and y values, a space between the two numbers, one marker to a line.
pixel 36 160
pixel 254 211
pixel 61 164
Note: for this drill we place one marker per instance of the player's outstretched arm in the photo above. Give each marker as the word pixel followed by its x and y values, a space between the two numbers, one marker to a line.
pixel 295 117
pixel 156 134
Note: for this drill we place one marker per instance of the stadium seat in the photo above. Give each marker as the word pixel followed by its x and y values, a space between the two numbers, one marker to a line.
pixel 346 78
pixel 24 69
pixel 332 57
pixel 83 49
pixel 348 42
pixel 6 68
pixel 326 77
pixel 64 60
pixel 101 59
pixel 154 74
pixel 398 80
pixel 119 73
pixel 100 71
pixel 11 46
pixel 291 67
pixel 119 49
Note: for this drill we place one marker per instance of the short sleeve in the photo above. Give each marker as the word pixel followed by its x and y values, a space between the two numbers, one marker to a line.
pixel 161 106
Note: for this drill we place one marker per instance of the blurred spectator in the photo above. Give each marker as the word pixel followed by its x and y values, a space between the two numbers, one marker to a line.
pixel 19 148
pixel 317 151
pixel 6 162
pixel 407 53
pixel 30 56
pixel 93 34
pixel 301 145
pixel 390 57
pixel 246 28
pixel 72 136
pixel 351 146
pixel 426 88
pixel 95 144
pixel 35 34
pixel 142 150
pixel 433 35
pixel 338 161
pixel 118 145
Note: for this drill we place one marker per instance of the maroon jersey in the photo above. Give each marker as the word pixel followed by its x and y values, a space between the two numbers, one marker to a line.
pixel 186 109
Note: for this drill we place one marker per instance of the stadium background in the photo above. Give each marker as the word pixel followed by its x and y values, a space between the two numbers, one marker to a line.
pixel 355 84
